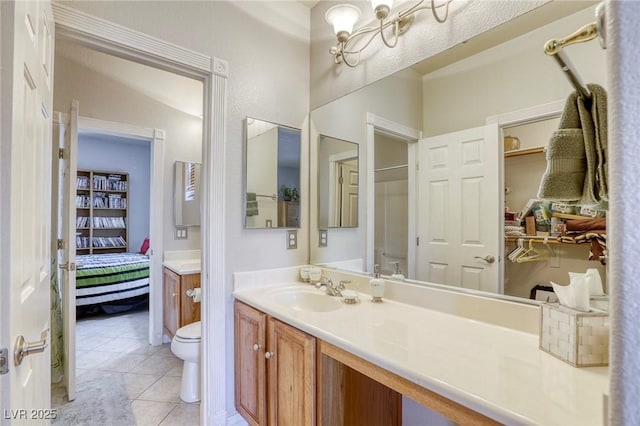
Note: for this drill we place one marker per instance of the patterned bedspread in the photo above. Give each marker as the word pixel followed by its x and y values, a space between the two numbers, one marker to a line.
pixel 109 277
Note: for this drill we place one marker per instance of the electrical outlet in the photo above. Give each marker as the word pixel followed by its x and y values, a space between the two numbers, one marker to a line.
pixel 322 238
pixel 180 233
pixel 292 239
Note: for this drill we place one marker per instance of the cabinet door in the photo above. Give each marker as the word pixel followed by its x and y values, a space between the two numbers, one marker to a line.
pixel 291 372
pixel 189 310
pixel 171 301
pixel 250 374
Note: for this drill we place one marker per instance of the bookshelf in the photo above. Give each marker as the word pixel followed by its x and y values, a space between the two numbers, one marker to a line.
pixel 102 212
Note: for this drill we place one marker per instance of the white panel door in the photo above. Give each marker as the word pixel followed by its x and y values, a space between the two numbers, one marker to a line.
pixel 25 212
pixel 67 255
pixel 349 193
pixel 458 209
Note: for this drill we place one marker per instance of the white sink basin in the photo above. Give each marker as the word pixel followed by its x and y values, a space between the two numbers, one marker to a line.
pixel 306 300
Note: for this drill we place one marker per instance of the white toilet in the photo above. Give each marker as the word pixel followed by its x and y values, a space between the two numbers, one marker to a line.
pixel 186 345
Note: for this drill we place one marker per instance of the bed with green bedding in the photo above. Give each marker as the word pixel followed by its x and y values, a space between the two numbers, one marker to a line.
pixel 106 278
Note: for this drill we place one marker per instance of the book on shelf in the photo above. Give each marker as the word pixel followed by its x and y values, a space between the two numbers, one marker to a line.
pixel 107 242
pixel 115 183
pixel 82 201
pixel 108 222
pixel 82 182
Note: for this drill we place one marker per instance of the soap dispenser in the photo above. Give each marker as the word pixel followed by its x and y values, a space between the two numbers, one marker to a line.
pixel 397 273
pixel 376 286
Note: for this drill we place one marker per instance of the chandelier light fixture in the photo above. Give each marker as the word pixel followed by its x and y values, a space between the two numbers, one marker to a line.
pixel 351 43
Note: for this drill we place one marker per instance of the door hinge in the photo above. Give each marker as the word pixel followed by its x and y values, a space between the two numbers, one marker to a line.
pixel 60 244
pixel 417 166
pixel 4 361
pixel 417 241
pixel 60 153
pixel 340 180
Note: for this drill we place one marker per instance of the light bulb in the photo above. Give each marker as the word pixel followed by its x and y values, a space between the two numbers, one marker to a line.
pixel 342 17
pixel 381 8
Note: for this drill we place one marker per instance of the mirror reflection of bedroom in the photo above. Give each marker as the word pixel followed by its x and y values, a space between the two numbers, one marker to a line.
pixel 131 135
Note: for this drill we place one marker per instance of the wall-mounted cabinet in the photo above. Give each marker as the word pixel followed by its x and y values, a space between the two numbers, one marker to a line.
pixel 102 212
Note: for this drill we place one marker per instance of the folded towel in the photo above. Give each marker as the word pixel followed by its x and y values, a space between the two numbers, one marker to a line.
pixel 252 204
pixel 584 225
pixel 576 156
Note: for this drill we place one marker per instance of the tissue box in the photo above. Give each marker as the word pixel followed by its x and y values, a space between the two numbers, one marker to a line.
pixel 578 338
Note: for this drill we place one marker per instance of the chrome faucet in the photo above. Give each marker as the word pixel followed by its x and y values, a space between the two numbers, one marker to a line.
pixel 330 288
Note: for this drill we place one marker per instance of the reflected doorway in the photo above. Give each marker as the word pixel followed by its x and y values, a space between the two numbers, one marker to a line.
pixel 391 203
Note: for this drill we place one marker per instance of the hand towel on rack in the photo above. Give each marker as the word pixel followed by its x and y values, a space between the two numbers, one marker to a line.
pixel 599 114
pixel 252 204
pixel 578 174
pixel 563 180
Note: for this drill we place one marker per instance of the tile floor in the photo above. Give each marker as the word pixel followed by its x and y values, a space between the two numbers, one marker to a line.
pixel 118 345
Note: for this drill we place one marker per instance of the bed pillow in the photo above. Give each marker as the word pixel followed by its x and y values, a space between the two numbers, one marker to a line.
pixel 145 246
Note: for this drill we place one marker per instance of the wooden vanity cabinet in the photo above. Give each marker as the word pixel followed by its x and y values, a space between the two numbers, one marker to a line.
pixel 178 309
pixel 274 370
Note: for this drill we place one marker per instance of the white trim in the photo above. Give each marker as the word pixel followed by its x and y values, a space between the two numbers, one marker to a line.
pixel 214 294
pixel 510 119
pixel 333 183
pixel 76 25
pixel 114 39
pixel 527 115
pixel 379 124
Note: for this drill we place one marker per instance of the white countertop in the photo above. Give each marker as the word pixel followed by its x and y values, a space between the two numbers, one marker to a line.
pixel 496 371
pixel 183 266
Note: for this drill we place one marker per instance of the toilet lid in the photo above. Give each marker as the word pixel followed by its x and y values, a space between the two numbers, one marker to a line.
pixel 190 331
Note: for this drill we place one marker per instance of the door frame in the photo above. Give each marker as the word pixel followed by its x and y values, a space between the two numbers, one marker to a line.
pixel 510 119
pixel 378 124
pixel 115 39
pixel 334 160
pixel 156 138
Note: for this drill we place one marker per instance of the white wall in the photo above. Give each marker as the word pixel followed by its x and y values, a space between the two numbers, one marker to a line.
pixel 103 98
pixel 267 47
pixel 511 76
pixel 623 56
pixel 106 154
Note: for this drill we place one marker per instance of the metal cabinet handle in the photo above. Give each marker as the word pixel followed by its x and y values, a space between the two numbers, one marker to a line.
pixel 488 258
pixel 24 348
pixel 256 346
pixel 268 355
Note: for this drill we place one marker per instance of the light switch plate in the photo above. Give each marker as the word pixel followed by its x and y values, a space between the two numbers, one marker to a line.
pixel 180 233
pixel 292 239
pixel 322 238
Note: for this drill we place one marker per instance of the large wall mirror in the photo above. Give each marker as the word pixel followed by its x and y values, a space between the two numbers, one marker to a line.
pixel 186 194
pixel 422 128
pixel 337 183
pixel 272 175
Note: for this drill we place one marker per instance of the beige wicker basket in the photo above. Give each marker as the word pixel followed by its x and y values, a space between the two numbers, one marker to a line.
pixel 578 338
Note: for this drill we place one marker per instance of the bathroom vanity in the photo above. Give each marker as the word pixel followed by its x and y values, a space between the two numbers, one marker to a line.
pixel 353 362
pixel 178 308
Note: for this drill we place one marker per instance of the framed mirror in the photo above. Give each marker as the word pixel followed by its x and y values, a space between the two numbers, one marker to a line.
pixel 186 193
pixel 410 213
pixel 272 175
pixel 337 183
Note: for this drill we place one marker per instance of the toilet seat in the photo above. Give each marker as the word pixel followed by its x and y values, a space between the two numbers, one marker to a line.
pixel 190 333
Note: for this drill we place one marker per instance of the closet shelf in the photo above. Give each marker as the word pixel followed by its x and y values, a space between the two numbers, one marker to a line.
pixel 528 151
pixel 550 240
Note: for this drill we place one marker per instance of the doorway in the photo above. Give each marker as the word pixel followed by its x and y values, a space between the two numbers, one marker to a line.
pixel 109 87
pixel 391 204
